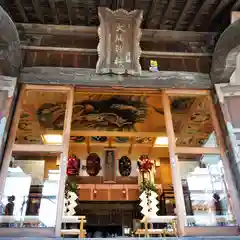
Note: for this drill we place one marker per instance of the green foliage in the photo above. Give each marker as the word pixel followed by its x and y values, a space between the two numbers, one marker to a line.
pixel 148 186
pixel 70 187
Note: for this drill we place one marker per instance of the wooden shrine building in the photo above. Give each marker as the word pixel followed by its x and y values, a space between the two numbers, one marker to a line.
pixel 92 90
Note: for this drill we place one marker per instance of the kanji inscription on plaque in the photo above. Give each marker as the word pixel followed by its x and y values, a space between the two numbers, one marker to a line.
pixel 119 36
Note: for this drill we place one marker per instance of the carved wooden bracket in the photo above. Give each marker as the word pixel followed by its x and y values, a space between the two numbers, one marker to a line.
pixel 119 36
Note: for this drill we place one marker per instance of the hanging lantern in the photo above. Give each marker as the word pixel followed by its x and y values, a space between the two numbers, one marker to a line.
pixel 73 165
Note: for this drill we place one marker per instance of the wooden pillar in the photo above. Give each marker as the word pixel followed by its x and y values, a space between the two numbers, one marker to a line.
pixel 7 96
pixel 176 177
pixel 9 87
pixel 63 161
pixel 229 100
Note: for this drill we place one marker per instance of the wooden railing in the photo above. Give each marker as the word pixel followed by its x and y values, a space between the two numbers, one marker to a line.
pixel 170 220
pixel 81 232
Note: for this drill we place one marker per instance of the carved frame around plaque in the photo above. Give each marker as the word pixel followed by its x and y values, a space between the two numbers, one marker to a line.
pixel 119 41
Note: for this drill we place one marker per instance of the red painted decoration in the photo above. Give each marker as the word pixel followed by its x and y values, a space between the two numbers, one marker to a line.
pixel 145 164
pixel 93 164
pixel 73 166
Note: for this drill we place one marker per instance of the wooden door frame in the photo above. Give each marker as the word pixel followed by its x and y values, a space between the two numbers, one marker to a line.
pixel 175 150
pixel 63 149
pixel 224 91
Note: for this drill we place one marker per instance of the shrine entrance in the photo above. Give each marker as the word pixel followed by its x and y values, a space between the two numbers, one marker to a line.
pixel 85 149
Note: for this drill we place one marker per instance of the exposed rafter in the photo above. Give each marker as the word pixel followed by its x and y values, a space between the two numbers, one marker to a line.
pixel 198 15
pixel 54 11
pixel 150 14
pixel 188 3
pixel 102 3
pixel 223 4
pixel 37 10
pixel 21 10
pixel 87 14
pixel 120 3
pixel 166 13
pixel 220 8
pixel 163 11
pixel 136 4
pixel 69 9
pixel 236 6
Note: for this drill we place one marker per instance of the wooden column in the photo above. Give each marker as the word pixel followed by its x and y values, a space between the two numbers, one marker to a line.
pixel 7 96
pixel 226 93
pixel 176 177
pixel 63 161
pixel 8 151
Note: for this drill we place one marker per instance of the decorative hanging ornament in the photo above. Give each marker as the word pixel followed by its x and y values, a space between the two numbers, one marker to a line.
pixel 124 166
pixel 93 164
pixel 73 165
pixel 70 203
pixel 145 164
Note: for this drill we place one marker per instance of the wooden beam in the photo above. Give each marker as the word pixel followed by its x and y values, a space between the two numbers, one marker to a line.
pixel 198 15
pixel 197 150
pixel 131 146
pixel 56 89
pixel 30 148
pixel 187 92
pixel 166 13
pixel 113 134
pixel 87 51
pixel 88 77
pixel 136 4
pixel 163 11
pixel 21 10
pixel 87 13
pixel 88 144
pixel 54 11
pixel 37 10
pixel 236 6
pixel 151 12
pixel 120 4
pixel 69 9
pixel 219 9
pixel 83 31
pixel 110 141
pixel 180 20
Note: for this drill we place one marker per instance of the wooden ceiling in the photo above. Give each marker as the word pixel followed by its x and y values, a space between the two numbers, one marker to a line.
pixel 123 121
pixel 187 15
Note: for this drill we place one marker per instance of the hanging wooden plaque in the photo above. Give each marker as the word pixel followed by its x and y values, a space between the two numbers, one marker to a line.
pixel 119 36
pixel 109 165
